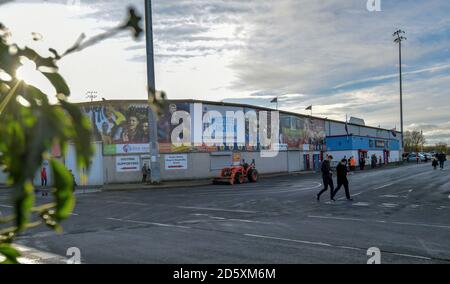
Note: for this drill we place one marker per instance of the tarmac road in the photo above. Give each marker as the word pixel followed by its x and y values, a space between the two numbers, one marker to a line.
pixel 405 212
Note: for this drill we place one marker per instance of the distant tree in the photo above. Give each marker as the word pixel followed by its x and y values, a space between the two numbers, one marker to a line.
pixel 30 126
pixel 414 140
pixel 441 148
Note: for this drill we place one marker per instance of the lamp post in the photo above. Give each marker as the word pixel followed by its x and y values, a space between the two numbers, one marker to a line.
pixel 398 38
pixel 152 117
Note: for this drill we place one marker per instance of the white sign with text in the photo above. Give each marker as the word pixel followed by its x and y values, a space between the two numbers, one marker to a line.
pixel 128 164
pixel 176 162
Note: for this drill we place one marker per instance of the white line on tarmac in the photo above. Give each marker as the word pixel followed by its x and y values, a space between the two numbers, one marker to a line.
pixel 381 221
pixel 148 223
pixel 128 203
pixel 251 221
pixel 5 206
pixel 330 245
pixel 383 186
pixel 216 209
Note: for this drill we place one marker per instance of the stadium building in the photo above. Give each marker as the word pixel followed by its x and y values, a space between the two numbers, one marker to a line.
pixel 121 141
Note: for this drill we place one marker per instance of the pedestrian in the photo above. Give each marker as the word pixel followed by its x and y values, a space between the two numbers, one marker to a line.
pixel 417 158
pixel 149 173
pixel 327 176
pixel 342 180
pixel 442 158
pixel 435 163
pixel 374 161
pixel 352 164
pixel 44 180
pixel 73 180
pixel 144 173
pixel 381 162
pixel 362 163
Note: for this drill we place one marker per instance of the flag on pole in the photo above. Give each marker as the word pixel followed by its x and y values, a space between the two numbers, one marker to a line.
pixel 309 108
pixel 275 100
pixel 394 132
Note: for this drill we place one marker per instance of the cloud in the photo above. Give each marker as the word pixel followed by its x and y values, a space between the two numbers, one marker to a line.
pixel 334 55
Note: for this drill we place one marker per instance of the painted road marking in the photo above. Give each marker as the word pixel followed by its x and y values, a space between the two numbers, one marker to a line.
pixel 382 221
pixel 384 186
pixel 332 246
pixel 5 206
pixel 128 203
pixel 361 204
pixel 216 209
pixel 389 196
pixel 389 205
pixel 148 223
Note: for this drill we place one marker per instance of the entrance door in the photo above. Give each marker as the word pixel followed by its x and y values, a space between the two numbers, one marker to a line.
pixel 316 162
pixel 306 161
pixel 387 155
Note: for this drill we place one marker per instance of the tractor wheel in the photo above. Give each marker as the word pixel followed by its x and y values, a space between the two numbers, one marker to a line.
pixel 239 178
pixel 253 176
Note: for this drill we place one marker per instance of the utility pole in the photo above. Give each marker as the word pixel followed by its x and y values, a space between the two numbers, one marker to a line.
pixel 152 117
pixel 399 37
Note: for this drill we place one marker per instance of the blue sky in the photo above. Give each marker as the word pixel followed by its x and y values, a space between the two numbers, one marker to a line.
pixel 335 55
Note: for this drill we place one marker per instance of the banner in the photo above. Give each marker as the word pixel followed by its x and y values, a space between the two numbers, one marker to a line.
pixel 302 133
pixel 176 162
pixel 120 127
pixel 128 164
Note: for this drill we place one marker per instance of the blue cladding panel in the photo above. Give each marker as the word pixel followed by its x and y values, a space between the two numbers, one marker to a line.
pixel 344 143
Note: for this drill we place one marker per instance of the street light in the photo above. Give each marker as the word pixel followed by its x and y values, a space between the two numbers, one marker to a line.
pixel 399 37
pixel 152 117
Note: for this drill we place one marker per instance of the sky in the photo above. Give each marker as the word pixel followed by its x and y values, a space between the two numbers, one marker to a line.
pixel 335 55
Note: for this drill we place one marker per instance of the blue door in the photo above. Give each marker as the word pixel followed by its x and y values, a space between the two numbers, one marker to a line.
pixel 316 162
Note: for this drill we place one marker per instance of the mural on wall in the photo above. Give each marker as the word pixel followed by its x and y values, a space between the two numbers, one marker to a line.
pixel 302 133
pixel 165 129
pixel 123 128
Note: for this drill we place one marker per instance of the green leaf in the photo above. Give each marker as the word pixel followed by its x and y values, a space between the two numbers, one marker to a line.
pixel 24 202
pixel 10 253
pixel 58 83
pixel 65 200
pixel 134 23
pixel 82 137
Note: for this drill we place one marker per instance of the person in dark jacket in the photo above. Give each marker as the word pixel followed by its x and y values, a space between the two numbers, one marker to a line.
pixel 435 163
pixel 362 163
pixel 342 173
pixel 327 176
pixel 442 158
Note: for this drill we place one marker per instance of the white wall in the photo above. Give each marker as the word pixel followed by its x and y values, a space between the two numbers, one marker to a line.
pixel 339 155
pixel 95 175
pixel 3 177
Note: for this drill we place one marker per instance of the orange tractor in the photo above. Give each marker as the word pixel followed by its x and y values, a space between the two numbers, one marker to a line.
pixel 238 174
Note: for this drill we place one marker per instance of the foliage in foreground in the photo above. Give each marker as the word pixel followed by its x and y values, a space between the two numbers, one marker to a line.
pixel 30 126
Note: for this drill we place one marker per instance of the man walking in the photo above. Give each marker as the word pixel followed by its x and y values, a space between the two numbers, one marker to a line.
pixel 144 173
pixel 327 177
pixel 44 180
pixel 442 158
pixel 342 173
pixel 362 163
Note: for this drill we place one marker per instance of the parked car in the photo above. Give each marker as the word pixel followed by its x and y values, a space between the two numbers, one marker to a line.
pixel 413 157
pixel 428 156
